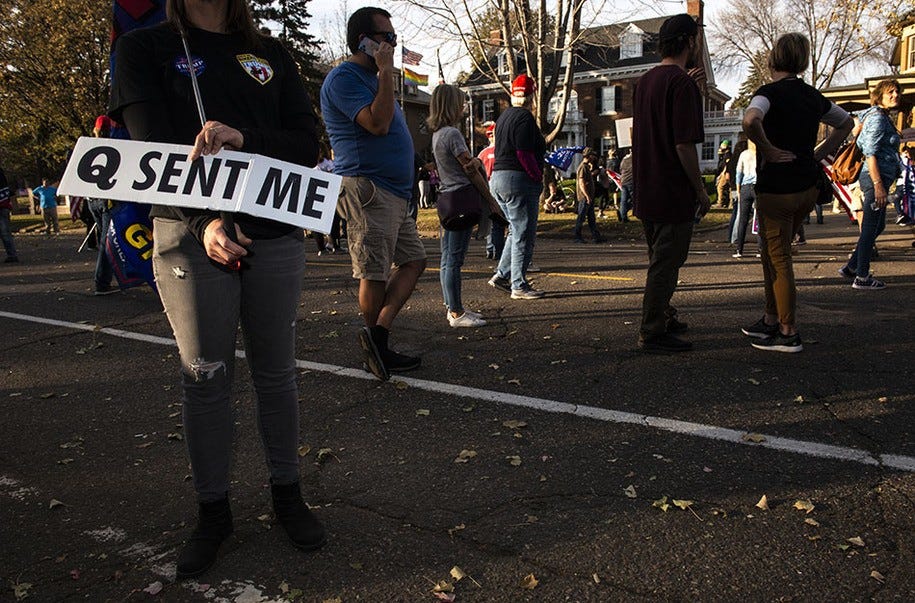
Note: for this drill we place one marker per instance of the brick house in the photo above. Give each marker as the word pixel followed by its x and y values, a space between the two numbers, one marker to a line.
pixel 608 60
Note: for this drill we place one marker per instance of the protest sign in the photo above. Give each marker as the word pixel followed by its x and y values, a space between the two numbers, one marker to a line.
pixel 160 174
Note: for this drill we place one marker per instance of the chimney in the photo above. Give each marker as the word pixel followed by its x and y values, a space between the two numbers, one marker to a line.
pixel 696 8
pixel 495 38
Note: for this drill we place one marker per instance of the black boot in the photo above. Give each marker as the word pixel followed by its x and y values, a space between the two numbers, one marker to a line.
pixel 301 525
pixel 213 526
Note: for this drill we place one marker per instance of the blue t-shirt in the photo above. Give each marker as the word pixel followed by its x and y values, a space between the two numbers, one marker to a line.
pixel 386 160
pixel 47 196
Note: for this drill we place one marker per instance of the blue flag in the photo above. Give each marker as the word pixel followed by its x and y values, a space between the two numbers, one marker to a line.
pixel 562 157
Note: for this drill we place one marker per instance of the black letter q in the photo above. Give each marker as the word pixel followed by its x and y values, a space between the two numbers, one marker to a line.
pixel 99 174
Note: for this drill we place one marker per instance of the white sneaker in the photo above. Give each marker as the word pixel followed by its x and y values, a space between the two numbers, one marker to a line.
pixel 465 320
pixel 467 312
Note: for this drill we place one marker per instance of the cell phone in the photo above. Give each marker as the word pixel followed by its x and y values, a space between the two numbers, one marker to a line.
pixel 369 46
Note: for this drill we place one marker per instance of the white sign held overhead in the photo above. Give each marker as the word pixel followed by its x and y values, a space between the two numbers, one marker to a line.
pixel 160 174
pixel 624 133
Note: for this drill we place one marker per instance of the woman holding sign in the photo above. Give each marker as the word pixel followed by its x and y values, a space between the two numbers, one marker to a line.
pixel 255 102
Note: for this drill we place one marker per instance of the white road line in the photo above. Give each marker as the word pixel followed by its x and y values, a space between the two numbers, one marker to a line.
pixel 699 430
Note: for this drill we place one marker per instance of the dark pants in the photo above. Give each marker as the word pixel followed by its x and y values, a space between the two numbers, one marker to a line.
pixel 668 246
pixel 103 268
pixel 744 214
pixel 6 233
pixel 586 211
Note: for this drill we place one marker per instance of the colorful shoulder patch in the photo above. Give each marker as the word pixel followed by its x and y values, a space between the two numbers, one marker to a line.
pixel 181 65
pixel 256 67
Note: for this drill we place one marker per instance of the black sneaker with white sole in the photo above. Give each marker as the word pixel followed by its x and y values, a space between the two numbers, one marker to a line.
pixel 869 283
pixel 847 272
pixel 790 344
pixel 501 283
pixel 760 329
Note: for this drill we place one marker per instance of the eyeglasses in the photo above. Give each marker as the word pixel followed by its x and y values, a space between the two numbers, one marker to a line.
pixel 389 36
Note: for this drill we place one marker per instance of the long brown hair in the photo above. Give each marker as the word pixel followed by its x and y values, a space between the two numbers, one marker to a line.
pixel 238 18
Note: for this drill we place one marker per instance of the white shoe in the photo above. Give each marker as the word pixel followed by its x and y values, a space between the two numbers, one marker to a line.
pixel 467 312
pixel 465 320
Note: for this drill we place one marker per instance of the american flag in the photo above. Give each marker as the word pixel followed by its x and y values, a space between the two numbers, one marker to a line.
pixel 409 57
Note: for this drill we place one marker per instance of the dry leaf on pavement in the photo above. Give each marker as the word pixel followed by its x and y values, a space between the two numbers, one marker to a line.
pixel 529 582
pixel 629 491
pixel 661 503
pixel 456 528
pixel 513 424
pixel 323 453
pixel 304 449
pixel 856 541
pixel 443 586
pixel 804 505
pixel 763 503
pixel 55 503
pixel 465 455
pixel 154 589
pixel 811 521
pixel 877 576
pixel 447 597
pixel 422 412
pixel 514 460
pixel 21 590
pixel 756 438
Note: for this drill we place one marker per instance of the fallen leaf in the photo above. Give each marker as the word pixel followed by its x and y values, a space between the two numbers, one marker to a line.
pixel 532 519
pixel 304 449
pixel 763 503
pixel 515 382
pixel 856 541
pixel 661 503
pixel 629 491
pixel 264 517
pixel 804 505
pixel 843 547
pixel 811 521
pixel 356 566
pixel 514 461
pixel 153 589
pixel 175 436
pixel 753 381
pixel 799 400
pixel 457 573
pixel 877 576
pixel 21 590
pixel 47 395
pixel 443 586
pixel 401 384
pixel 422 412
pixel 596 578
pixel 529 582
pixel 456 528
pixel 323 453
pixel 448 597
pixel 683 504
pixel 882 399
pixel 55 503
pixel 494 366
pixel 465 455
pixel 756 438
pixel 64 461
pixel 513 424
pixel 470 408
pixel 814 537
pixel 284 587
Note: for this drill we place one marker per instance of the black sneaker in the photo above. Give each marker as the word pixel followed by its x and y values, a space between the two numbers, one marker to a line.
pixel 105 290
pixel 503 284
pixel 664 344
pixel 847 272
pixel 675 326
pixel 780 343
pixel 372 354
pixel 400 363
pixel 11 259
pixel 760 329
pixel 869 283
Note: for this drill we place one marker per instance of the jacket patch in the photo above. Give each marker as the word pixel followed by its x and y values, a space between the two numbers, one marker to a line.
pixel 256 67
pixel 181 66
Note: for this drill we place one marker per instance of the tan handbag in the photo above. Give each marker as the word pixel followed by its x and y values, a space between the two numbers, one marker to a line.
pixel 848 163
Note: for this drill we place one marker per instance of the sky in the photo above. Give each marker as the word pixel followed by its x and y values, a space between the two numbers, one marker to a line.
pixel 327 15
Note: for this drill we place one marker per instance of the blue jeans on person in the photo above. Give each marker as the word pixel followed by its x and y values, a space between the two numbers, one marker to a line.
pixel 744 213
pixel 6 234
pixel 873 222
pixel 586 211
pixel 103 270
pixel 625 202
pixel 495 240
pixel 519 198
pixel 454 248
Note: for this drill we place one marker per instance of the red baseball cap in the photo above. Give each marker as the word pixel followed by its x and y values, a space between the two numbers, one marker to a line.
pixel 102 122
pixel 523 86
pixel 490 128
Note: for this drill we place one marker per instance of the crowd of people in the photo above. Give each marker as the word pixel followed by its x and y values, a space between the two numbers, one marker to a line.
pixel 216 272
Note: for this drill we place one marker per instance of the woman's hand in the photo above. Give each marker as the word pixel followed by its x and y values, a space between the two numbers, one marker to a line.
pixel 214 137
pixel 219 246
pixel 776 155
pixel 879 195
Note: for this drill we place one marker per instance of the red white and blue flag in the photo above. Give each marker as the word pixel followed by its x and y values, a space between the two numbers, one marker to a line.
pixel 409 57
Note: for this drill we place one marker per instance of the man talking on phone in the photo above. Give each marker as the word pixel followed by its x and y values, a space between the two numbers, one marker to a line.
pixel 373 151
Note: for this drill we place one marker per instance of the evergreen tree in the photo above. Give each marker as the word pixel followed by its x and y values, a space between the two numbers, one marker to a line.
pixel 757 76
pixel 288 20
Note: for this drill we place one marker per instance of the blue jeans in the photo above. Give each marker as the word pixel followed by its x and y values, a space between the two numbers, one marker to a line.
pixel 625 202
pixel 744 212
pixel 872 224
pixel 586 211
pixel 102 215
pixel 6 234
pixel 454 247
pixel 519 197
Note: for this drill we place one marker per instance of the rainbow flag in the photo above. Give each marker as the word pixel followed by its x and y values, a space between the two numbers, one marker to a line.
pixel 411 77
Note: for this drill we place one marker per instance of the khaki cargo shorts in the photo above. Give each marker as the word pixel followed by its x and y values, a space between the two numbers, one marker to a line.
pixel 379 231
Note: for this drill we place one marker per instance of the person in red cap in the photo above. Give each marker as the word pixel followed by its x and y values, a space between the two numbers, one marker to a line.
pixel 667 126
pixel 495 233
pixel 516 183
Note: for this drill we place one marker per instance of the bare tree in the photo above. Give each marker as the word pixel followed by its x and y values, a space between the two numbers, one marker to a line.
pixel 844 34
pixel 539 32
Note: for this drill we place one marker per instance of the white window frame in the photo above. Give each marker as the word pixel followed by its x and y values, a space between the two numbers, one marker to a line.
pixel 608 99
pixel 488 109
pixel 631 46
pixel 709 147
pixel 910 47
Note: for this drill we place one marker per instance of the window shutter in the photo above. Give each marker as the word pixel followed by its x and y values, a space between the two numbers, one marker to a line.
pixel 599 97
pixel 617 98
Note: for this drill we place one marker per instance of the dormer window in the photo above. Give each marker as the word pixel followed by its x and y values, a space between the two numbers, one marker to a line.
pixel 503 63
pixel 631 42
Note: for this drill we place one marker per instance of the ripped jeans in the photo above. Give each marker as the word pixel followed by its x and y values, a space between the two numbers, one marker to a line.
pixel 205 305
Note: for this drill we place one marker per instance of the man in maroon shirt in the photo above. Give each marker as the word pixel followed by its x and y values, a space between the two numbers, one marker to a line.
pixel 667 126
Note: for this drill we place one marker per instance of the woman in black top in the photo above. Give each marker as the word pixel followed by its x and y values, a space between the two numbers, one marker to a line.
pixel 255 102
pixel 783 120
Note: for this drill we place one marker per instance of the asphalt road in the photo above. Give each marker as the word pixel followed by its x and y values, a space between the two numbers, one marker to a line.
pixel 578 439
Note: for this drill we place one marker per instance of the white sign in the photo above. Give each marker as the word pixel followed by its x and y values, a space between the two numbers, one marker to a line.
pixel 624 133
pixel 160 174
